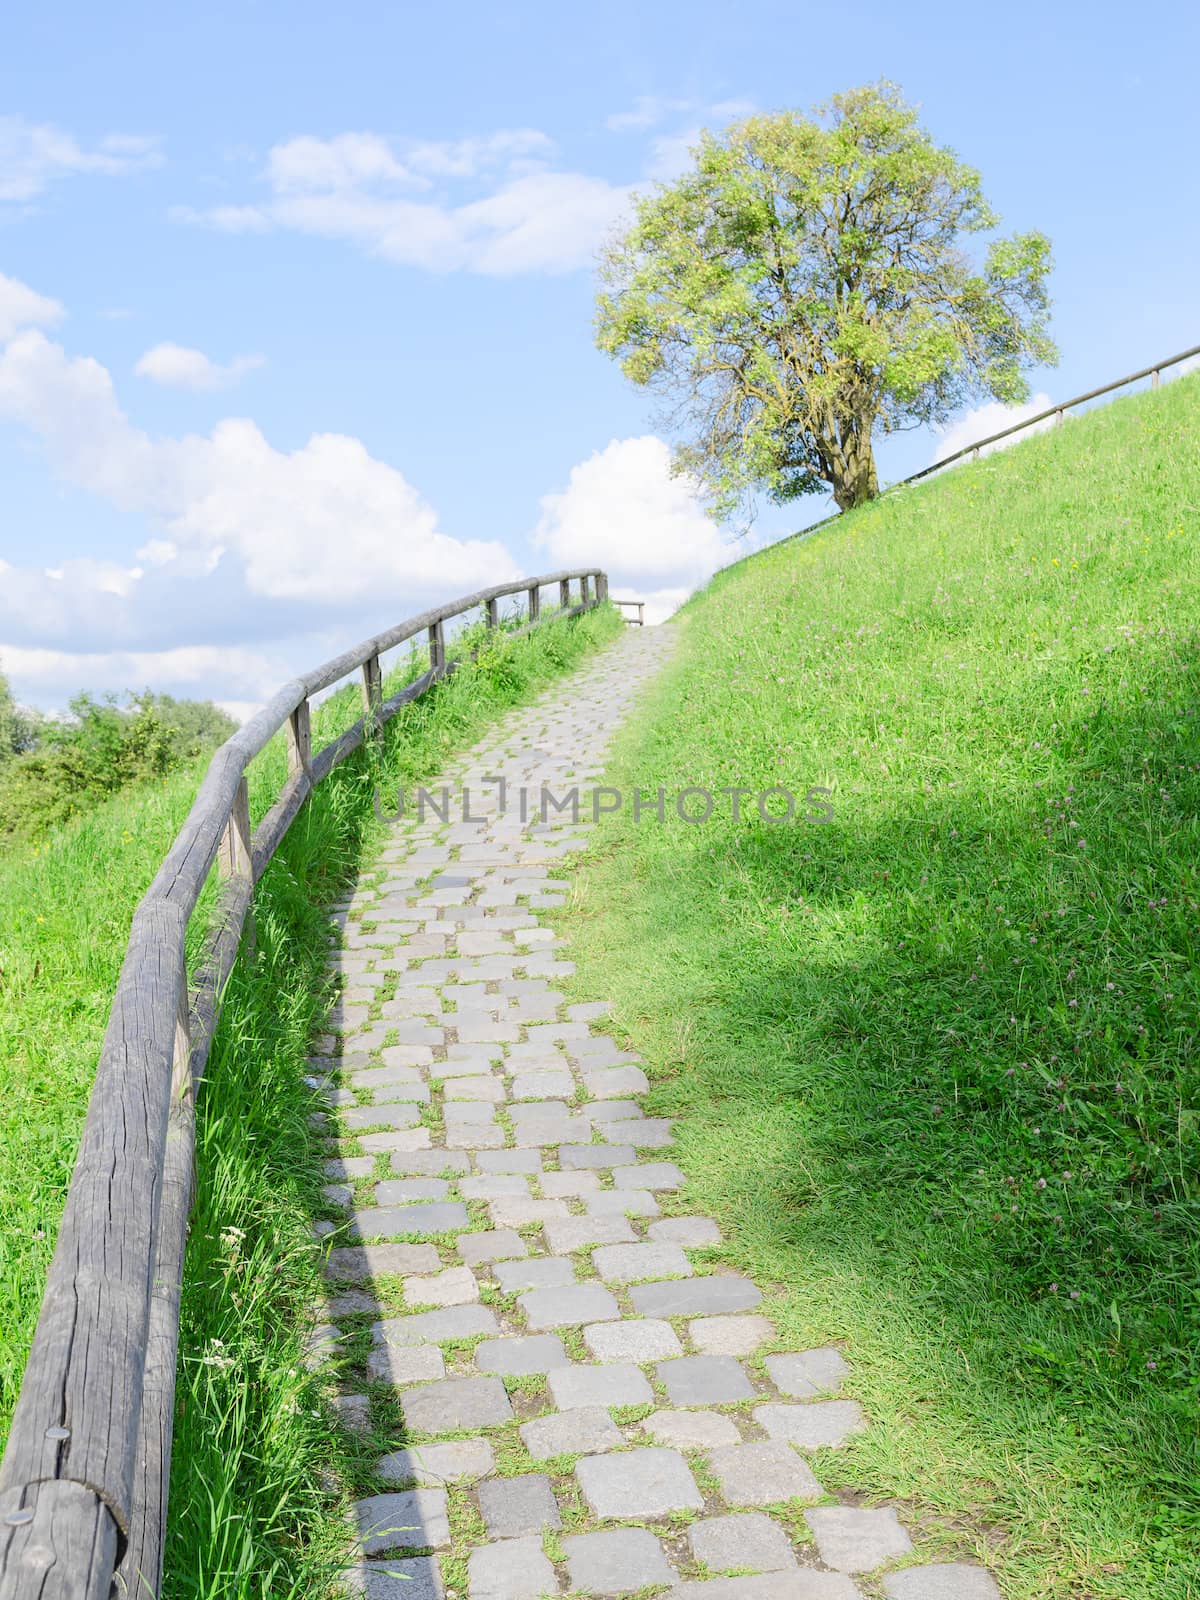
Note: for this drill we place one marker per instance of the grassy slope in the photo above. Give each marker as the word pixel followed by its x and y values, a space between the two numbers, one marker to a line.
pixel 935 1063
pixel 251 1514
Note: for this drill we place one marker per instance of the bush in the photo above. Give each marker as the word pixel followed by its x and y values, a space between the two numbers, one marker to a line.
pixel 103 748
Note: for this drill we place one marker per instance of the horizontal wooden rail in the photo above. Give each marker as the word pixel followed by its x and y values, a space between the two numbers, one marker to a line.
pixel 85 1475
pixel 639 606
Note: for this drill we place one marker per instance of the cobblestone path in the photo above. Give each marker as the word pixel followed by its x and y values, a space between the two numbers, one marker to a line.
pixel 589 1407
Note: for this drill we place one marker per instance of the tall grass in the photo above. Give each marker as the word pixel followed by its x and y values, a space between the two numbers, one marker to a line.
pixel 935 1062
pixel 253 1512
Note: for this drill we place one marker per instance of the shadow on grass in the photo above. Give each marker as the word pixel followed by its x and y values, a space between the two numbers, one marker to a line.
pixel 971 1077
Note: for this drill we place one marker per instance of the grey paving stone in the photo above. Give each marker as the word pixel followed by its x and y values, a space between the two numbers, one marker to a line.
pixel 640 1339
pixel 617 1383
pixel 513 1569
pixel 569 1185
pixel 620 1561
pixel 646 1133
pixel 493 1184
pixel 518 1356
pixel 540 1272
pixel 513 1507
pixel 691 1232
pixel 428 1163
pixel 638 1483
pixel 456 1403
pixel 694 1297
pixel 508 1161
pixel 351 1304
pixel 543 1083
pixel 803 1584
pixel 474 1136
pixel 350 1167
pixel 566 1234
pixel 621 1203
pixel 649 1175
pixel 518 1211
pixel 433 1217
pixel 607 1083
pixel 577 1157
pixel 456 1286
pixel 730 1336
pixel 414 1519
pixel 704 1381
pixel 405 1578
pixel 498 1244
pixel 562 1308
pixel 415 1092
pixel 691 1430
pixel 807 1372
pixel 629 1263
pixel 563 1433
pixel 402 1191
pixel 949 1580
pixel 431 1465
pixel 407 1139
pixel 432 1327
pixel 396 1115
pixel 761 1473
pixel 338 1194
pixel 810 1427
pixel 747 1539
pixel 606 1111
pixel 851 1539
pixel 358 1263
pixel 468 1114
pixel 484 1089
pixel 401 1364
pixel 354 1412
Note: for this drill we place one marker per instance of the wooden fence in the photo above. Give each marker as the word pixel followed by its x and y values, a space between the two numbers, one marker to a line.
pixel 84 1480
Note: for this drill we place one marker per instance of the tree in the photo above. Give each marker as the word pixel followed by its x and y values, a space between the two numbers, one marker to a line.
pixel 18 727
pixel 804 285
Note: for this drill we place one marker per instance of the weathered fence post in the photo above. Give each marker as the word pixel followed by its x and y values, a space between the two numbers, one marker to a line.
pixel 1154 378
pixel 437 650
pixel 564 592
pixel 493 613
pixel 372 692
pixel 535 603
pixel 299 740
pixel 234 854
pixel 601 587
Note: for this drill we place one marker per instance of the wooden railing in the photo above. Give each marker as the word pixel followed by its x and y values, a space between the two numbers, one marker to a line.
pixel 84 1480
pixel 639 606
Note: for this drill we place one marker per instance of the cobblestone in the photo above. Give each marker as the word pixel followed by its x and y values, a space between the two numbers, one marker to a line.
pixel 452 957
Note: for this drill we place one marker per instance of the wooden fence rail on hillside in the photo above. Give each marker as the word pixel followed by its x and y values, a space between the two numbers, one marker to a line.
pixel 84 1480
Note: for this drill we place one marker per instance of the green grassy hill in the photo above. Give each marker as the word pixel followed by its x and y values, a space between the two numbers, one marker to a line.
pixel 935 1062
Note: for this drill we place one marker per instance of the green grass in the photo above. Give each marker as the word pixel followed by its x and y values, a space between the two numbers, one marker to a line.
pixel 935 1062
pixel 257 1501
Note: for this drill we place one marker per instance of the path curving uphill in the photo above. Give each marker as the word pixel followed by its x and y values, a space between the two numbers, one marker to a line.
pixel 589 1408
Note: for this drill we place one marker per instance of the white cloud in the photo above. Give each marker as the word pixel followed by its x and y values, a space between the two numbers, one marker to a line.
pixel 988 419
pixel 245 542
pixel 647 110
pixel 34 155
pixel 523 217
pixel 624 509
pixel 22 307
pixel 179 367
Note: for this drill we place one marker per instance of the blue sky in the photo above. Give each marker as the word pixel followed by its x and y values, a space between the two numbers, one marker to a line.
pixel 363 235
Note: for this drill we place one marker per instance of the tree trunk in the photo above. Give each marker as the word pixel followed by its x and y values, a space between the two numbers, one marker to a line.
pixel 854 479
